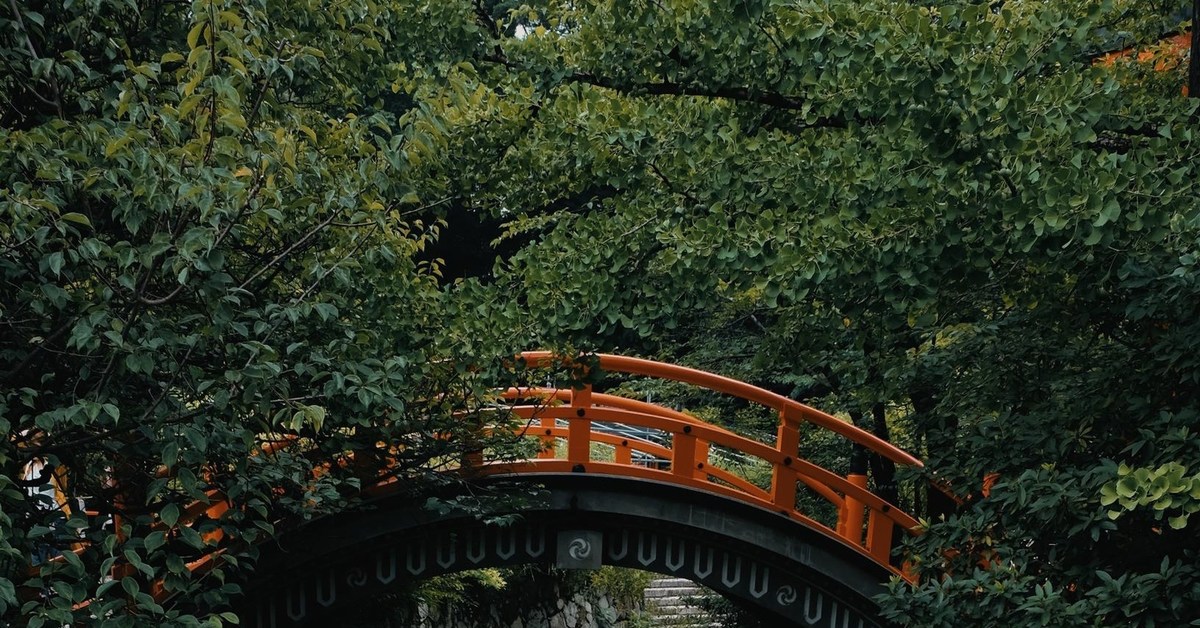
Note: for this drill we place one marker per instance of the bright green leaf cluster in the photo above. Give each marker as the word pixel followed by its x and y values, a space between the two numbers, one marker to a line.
pixel 1167 490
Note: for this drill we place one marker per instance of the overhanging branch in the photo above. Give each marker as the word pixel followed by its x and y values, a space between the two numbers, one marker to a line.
pixel 741 94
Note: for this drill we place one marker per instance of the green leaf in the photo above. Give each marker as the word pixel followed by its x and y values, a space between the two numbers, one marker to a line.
pixel 169 515
pixel 54 262
pixel 155 540
pixel 77 218
pixel 193 36
pixel 196 439
pixel 315 416
pixel 1111 211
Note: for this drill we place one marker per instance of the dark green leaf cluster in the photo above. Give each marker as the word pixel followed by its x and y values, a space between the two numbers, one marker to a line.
pixel 211 242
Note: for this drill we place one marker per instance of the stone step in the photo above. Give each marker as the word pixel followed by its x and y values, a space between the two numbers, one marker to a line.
pixel 672 582
pixel 677 610
pixel 671 601
pixel 667 601
pixel 672 592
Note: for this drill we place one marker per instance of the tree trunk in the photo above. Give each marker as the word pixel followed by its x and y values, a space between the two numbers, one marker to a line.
pixel 883 469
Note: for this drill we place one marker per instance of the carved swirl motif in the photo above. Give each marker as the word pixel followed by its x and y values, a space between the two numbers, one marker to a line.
pixel 786 595
pixel 357 577
pixel 579 549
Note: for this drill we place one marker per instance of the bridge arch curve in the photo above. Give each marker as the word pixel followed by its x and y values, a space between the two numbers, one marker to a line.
pixel 789 571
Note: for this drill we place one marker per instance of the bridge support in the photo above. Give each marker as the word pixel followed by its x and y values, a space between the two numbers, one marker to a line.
pixel 791 573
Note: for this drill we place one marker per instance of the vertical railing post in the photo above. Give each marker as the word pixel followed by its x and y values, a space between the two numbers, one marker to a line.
pixel 472 454
pixel 623 453
pixel 579 434
pixel 546 424
pixel 125 498
pixel 850 519
pixel 787 441
pixel 683 453
pixel 879 535
pixel 702 447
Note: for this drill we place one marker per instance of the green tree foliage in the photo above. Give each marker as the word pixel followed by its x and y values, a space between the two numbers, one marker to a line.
pixel 944 219
pixel 210 238
pixel 941 218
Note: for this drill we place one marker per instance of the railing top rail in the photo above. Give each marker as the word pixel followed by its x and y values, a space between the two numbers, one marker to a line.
pixel 789 408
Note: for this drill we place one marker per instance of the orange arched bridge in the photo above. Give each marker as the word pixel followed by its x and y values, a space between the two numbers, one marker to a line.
pixel 691 440
pixel 688 512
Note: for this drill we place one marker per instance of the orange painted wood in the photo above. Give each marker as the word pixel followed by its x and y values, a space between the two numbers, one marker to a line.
pixel 807 471
pixel 852 521
pixel 879 537
pixel 579 441
pixel 624 448
pixel 784 477
pixel 683 455
pixel 718 383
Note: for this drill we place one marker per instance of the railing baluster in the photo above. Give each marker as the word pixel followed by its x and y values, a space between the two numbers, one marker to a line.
pixel 683 453
pixel 879 536
pixel 783 480
pixel 579 435
pixel 702 447
pixel 548 441
pixel 623 453
pixel 850 520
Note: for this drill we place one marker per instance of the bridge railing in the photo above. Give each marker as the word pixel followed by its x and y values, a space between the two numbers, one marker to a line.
pixel 865 521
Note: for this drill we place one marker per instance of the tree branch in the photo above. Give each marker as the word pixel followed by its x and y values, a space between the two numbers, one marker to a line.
pixel 288 251
pixel 57 101
pixel 741 94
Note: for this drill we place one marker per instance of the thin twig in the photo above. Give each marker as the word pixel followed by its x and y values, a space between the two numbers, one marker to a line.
pixel 57 102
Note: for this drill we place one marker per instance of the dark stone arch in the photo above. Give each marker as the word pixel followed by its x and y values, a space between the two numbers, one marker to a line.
pixel 790 572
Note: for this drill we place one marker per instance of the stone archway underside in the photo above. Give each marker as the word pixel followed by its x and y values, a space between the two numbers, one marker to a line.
pixel 789 571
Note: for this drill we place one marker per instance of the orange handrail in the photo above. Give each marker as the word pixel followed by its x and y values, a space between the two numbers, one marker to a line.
pixel 719 383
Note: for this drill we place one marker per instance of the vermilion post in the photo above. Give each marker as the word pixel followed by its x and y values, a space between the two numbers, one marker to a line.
pixel 787 441
pixel 683 454
pixel 547 424
pixel 879 536
pixel 702 455
pixel 579 439
pixel 623 453
pixel 472 457
pixel 850 522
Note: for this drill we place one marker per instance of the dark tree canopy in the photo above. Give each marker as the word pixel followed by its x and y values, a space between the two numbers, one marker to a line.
pixel 210 238
pixel 952 222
